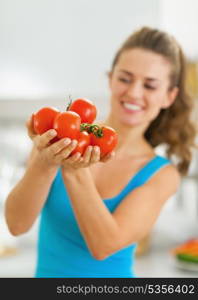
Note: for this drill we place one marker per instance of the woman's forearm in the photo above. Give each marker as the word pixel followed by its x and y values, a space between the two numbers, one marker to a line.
pixel 96 223
pixel 27 198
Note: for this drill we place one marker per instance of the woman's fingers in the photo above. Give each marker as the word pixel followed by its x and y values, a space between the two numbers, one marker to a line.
pixel 108 157
pixel 95 155
pixel 87 155
pixel 65 153
pixel 80 161
pixel 43 140
pixel 59 146
pixel 75 158
pixel 91 155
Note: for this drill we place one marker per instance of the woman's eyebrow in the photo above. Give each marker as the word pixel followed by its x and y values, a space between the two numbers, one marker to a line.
pixel 126 72
pixel 151 79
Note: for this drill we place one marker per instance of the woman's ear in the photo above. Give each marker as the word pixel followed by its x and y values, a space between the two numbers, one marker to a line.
pixel 171 96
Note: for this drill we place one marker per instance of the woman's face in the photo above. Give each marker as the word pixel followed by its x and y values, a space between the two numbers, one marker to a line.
pixel 139 86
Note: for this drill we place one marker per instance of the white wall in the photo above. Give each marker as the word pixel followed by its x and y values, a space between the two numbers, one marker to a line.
pixel 179 17
pixel 52 48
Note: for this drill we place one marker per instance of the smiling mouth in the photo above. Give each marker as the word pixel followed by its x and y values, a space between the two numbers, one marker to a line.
pixel 131 107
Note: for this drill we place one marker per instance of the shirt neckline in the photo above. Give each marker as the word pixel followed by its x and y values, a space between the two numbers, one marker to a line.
pixel 145 166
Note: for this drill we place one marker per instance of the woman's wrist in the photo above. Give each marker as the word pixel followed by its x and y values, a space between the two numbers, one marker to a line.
pixel 42 167
pixel 69 173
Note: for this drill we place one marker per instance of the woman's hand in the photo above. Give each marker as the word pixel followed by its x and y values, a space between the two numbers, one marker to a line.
pixel 90 156
pixel 50 155
pixel 58 153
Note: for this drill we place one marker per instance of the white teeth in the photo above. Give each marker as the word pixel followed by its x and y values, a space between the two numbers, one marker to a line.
pixel 131 106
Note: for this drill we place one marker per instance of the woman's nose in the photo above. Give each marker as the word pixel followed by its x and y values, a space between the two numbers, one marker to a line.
pixel 135 90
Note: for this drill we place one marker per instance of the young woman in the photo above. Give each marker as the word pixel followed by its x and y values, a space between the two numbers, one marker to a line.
pixel 93 210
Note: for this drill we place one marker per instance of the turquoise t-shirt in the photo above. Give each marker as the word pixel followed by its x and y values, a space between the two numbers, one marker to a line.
pixel 62 250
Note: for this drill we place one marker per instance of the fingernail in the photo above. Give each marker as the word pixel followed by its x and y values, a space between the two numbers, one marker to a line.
pixel 74 142
pixel 96 148
pixel 52 132
pixel 67 141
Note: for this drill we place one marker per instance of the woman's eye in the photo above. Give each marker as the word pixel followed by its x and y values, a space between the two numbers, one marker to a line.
pixel 124 80
pixel 149 87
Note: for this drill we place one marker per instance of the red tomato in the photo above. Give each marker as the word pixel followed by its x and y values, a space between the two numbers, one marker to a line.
pixel 85 108
pixel 67 124
pixel 43 119
pixel 107 141
pixel 54 140
pixel 83 142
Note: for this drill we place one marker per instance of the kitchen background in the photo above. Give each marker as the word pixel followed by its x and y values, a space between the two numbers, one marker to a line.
pixel 50 49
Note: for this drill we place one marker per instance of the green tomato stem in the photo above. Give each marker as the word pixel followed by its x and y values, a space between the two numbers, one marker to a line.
pixel 69 104
pixel 92 128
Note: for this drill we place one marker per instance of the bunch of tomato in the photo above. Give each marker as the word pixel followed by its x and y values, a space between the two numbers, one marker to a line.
pixel 76 123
